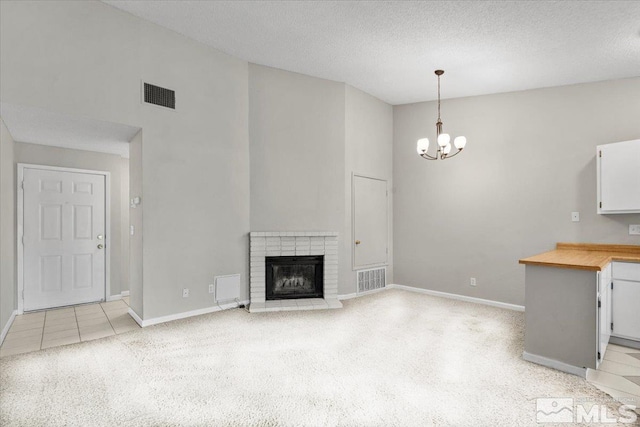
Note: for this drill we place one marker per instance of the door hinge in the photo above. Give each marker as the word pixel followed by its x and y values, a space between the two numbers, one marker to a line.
pixel 601 205
pixel 598 355
pixel 599 304
pixel 600 153
pixel 22 185
pixel 611 285
pixel 612 326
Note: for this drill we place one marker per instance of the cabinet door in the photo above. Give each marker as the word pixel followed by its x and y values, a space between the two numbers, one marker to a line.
pixel 619 177
pixel 604 310
pixel 626 316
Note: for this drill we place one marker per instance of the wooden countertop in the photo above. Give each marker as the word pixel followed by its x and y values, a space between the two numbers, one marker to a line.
pixel 584 256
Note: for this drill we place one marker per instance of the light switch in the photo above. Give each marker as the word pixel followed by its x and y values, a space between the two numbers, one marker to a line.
pixel 132 230
pixel 575 216
pixel 634 229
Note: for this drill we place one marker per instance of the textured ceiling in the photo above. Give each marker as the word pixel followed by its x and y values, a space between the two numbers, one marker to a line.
pixel 390 48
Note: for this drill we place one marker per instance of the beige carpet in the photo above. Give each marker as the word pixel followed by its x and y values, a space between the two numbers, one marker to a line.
pixel 391 359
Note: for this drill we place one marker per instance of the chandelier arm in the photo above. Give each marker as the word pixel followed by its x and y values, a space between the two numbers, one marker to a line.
pixel 428 157
pixel 447 156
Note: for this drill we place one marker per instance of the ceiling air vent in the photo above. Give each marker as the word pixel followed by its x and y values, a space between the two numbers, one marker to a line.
pixel 159 96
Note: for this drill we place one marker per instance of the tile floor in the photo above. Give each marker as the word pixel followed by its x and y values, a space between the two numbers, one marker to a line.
pixel 619 374
pixel 69 325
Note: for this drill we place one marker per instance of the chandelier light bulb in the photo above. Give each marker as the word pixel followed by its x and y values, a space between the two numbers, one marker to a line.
pixel 443 139
pixel 460 142
pixel 447 149
pixel 423 145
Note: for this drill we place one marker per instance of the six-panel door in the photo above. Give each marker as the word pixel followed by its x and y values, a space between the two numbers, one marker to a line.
pixel 64 238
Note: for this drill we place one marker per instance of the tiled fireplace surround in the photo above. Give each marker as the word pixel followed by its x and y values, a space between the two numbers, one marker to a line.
pixel 293 243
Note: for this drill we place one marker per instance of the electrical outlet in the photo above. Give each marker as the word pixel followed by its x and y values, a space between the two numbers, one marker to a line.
pixel 472 282
pixel 634 229
pixel 185 293
pixel 575 216
pixel 211 288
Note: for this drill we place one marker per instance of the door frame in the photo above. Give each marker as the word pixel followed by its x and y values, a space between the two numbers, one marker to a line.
pixel 355 267
pixel 20 224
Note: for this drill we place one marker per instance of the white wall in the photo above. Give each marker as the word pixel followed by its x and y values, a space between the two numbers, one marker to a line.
pixel 368 152
pixel 529 162
pixel 7 226
pixel 88 59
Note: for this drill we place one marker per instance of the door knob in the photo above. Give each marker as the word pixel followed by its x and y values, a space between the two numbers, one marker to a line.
pixel 100 237
pixel 357 242
pixel 100 246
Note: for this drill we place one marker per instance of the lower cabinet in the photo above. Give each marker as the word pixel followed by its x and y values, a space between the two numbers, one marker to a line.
pixel 625 301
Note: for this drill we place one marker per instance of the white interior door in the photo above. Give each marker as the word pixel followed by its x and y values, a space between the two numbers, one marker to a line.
pixel 64 238
pixel 370 221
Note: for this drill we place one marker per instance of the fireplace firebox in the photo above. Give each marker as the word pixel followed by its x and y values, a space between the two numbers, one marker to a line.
pixel 290 277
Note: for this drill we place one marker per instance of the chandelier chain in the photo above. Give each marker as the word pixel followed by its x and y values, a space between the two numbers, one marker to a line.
pixel 438 97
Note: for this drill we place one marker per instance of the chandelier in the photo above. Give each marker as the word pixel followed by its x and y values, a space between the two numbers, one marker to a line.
pixel 443 139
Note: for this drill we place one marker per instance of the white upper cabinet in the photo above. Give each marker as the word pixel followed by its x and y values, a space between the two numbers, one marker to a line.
pixel 619 177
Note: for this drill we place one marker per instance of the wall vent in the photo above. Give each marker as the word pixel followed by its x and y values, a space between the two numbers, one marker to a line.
pixel 159 96
pixel 370 280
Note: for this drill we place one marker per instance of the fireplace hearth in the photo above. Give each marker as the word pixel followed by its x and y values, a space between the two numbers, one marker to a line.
pixel 291 277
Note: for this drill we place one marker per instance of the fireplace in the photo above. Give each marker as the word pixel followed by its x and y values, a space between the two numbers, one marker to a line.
pixel 292 277
pixel 296 287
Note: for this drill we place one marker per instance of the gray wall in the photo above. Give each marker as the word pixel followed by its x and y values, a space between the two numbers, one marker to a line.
pixel 7 227
pixel 88 59
pixel 561 308
pixel 135 219
pixel 529 162
pixel 118 168
pixel 368 152
pixel 307 137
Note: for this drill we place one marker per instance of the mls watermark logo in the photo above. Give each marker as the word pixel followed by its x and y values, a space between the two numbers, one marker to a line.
pixel 554 410
pixel 568 410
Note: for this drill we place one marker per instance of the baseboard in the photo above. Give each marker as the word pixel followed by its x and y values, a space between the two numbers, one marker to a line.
pixel 361 294
pixel 117 297
pixel 184 315
pixel 458 297
pixel 135 316
pixel 6 328
pixel 555 364
pixel 624 342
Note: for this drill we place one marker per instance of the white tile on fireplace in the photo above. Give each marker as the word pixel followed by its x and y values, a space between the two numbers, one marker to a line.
pixel 274 303
pixel 333 303
pixel 302 253
pixel 257 305
pixel 287 253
